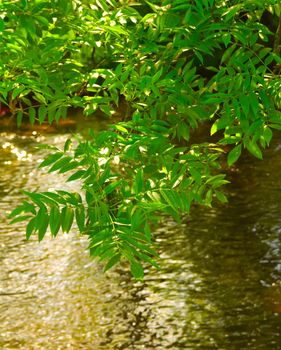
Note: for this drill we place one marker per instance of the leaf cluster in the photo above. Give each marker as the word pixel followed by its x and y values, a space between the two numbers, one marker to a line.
pixel 177 64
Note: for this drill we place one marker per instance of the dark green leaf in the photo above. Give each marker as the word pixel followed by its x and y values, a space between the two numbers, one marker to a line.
pixel 42 221
pixel 80 218
pixel 32 115
pixel 67 215
pixel 55 220
pixel 19 118
pixel 67 145
pixel 30 228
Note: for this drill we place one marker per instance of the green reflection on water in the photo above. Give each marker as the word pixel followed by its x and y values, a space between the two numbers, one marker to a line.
pixel 215 289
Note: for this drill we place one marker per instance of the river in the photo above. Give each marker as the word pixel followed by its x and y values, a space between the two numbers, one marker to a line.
pixel 219 286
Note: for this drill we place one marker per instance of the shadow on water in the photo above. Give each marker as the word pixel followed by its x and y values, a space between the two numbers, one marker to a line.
pixel 217 289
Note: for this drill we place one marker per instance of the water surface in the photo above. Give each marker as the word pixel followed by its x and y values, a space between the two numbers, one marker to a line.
pixel 219 286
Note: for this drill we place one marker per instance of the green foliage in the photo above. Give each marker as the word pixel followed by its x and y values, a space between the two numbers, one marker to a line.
pixel 177 64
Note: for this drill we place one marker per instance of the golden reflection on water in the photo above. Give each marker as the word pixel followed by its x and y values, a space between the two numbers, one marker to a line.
pixel 21 155
pixel 52 295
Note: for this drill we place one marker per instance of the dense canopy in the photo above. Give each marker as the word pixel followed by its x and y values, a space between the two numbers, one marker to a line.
pixel 165 68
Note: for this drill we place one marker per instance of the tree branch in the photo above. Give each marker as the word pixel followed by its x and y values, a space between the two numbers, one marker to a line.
pixel 277 38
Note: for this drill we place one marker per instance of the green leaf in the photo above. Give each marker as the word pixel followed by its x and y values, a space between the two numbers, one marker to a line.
pixel 139 181
pixel 254 149
pixel 214 127
pixel 254 103
pixel 227 53
pixel 78 175
pixel 147 259
pixel 80 217
pixel 40 98
pixel 217 180
pixel 147 232
pixel 60 164
pixel 170 199
pixel 26 207
pixel 72 164
pixel 2 25
pixel 113 261
pixel 221 197
pixel 42 114
pixel 112 186
pixel 196 175
pixel 55 220
pixel 55 197
pixel 17 92
pixel 52 158
pixel 138 244
pixel 199 56
pixel 157 75
pixel 43 20
pixel 234 155
pixel 19 118
pixel 275 126
pixel 209 197
pixel 30 228
pixel 35 197
pixel 265 99
pixel 20 218
pixel 267 134
pixel 245 104
pixel 42 221
pixel 107 252
pixel 226 39
pixel 67 216
pixel 137 270
pixel 67 145
pixel 231 12
pixel 121 128
pixel 32 115
pixel 100 237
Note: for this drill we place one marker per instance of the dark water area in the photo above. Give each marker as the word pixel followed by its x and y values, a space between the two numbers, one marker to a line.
pixel 219 286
